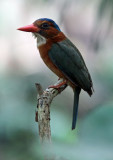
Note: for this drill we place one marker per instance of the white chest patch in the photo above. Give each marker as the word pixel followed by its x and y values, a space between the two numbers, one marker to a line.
pixel 40 39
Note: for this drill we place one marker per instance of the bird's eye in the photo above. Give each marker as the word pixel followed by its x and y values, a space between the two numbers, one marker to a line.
pixel 45 25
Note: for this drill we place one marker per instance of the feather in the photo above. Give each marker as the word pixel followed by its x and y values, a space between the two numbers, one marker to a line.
pixel 68 59
pixel 75 106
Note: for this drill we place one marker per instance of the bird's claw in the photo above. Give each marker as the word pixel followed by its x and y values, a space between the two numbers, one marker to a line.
pixel 58 85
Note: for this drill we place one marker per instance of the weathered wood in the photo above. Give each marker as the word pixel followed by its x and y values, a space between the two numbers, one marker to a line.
pixel 44 99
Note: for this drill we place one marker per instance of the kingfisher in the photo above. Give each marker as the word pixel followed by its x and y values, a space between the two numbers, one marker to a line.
pixel 62 57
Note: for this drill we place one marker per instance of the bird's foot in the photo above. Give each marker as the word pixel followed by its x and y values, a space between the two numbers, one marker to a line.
pixel 59 85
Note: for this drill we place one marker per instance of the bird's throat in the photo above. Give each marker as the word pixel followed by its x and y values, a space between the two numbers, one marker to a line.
pixel 40 39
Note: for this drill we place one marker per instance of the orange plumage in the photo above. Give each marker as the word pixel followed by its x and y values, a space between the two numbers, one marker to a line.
pixel 44 49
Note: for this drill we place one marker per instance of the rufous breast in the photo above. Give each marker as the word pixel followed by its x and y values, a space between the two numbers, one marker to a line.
pixel 44 49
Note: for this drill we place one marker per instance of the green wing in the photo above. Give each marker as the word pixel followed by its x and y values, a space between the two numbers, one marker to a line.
pixel 69 60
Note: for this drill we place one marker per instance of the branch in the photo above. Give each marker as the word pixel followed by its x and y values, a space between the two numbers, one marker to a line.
pixel 44 99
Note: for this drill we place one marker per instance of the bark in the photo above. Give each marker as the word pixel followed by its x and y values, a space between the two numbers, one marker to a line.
pixel 44 99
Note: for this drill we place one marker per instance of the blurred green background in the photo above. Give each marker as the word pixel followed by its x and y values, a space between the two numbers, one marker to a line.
pixel 89 25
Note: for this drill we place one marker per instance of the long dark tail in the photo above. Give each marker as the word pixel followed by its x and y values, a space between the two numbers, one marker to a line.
pixel 75 106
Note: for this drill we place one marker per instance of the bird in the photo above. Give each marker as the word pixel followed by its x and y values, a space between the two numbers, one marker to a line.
pixel 62 57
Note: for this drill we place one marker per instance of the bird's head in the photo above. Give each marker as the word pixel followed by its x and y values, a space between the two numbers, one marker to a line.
pixel 44 27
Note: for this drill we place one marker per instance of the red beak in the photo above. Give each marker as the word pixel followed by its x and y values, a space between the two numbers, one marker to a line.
pixel 29 28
